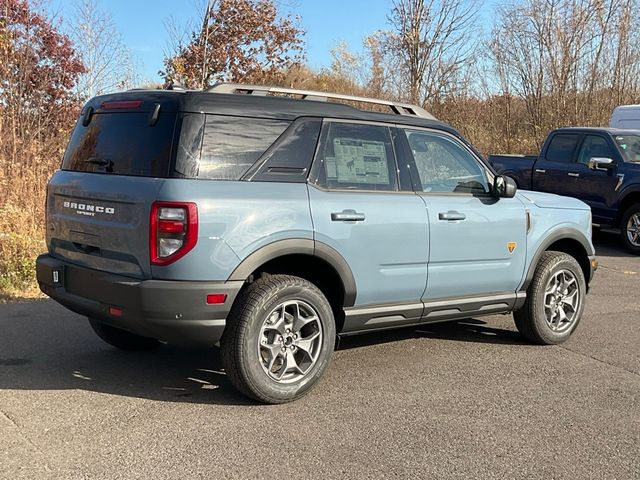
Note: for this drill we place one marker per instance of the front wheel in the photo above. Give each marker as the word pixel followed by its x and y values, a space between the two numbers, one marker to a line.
pixel 555 300
pixel 279 338
pixel 630 228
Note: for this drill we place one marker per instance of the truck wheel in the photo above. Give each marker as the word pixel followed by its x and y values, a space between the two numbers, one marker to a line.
pixel 630 228
pixel 555 300
pixel 278 339
pixel 121 338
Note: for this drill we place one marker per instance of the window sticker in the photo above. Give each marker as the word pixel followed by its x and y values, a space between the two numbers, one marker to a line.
pixel 332 173
pixel 359 161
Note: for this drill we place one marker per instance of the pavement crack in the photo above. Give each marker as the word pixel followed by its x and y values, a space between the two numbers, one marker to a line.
pixel 586 355
pixel 27 439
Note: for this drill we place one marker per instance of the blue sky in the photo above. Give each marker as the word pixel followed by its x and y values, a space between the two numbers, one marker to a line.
pixel 326 22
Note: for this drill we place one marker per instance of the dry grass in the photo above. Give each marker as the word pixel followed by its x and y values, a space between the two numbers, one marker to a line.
pixel 22 191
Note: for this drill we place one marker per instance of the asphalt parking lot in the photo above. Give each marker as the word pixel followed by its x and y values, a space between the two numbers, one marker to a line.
pixel 460 400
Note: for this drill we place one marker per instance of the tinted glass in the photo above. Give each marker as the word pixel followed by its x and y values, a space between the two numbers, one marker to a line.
pixel 357 157
pixel 629 146
pixel 289 158
pixel 122 144
pixel 232 144
pixel 594 146
pixel 562 147
pixel 190 144
pixel 444 165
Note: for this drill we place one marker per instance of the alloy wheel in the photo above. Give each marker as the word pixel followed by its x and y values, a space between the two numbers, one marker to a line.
pixel 290 341
pixel 561 301
pixel 633 229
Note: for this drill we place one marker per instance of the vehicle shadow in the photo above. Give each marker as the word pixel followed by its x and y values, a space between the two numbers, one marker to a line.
pixel 608 243
pixel 468 330
pixel 45 347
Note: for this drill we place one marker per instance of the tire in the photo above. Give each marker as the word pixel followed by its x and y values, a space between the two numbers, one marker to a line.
pixel 630 229
pixel 555 273
pixel 122 339
pixel 270 323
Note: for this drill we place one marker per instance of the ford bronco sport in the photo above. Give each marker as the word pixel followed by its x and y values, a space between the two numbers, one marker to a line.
pixel 273 222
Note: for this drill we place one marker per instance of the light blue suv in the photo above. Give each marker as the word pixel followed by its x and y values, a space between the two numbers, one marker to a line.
pixel 274 222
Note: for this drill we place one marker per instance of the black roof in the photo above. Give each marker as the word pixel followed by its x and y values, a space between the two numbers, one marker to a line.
pixel 282 108
pixel 609 130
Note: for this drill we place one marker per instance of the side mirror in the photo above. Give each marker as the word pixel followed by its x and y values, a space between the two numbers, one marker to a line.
pixel 601 163
pixel 504 187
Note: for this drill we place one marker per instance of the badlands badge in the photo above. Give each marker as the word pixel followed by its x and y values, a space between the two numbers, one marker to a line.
pixel 511 246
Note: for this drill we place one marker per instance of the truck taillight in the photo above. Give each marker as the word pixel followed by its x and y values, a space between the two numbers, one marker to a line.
pixel 173 231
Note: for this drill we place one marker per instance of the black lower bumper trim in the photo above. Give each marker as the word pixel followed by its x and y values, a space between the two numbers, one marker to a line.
pixel 172 311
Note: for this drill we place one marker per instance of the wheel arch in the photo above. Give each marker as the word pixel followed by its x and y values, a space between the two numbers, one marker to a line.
pixel 628 198
pixel 569 241
pixel 315 261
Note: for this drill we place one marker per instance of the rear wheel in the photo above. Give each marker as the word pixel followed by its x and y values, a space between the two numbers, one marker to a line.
pixel 121 338
pixel 630 228
pixel 555 300
pixel 279 339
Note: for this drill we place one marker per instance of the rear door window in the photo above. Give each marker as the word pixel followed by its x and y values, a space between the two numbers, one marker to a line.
pixel 562 147
pixel 231 145
pixel 356 157
pixel 122 144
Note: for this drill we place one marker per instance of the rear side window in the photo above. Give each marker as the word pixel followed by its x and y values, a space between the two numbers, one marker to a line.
pixel 232 144
pixel 122 144
pixel 562 147
pixel 356 157
pixel 289 158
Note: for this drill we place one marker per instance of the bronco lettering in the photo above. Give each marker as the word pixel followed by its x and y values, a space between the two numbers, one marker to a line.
pixel 84 208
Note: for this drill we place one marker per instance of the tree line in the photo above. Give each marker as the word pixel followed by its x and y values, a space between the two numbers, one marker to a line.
pixel 503 77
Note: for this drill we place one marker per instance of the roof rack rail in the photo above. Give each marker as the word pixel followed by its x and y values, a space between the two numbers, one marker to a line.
pixel 264 90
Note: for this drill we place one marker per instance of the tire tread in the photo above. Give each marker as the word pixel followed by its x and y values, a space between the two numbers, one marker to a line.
pixel 238 321
pixel 524 318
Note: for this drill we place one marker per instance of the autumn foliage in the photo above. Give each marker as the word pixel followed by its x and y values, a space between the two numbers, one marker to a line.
pixel 239 41
pixel 540 64
pixel 38 70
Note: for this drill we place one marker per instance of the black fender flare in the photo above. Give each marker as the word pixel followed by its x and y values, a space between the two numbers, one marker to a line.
pixel 560 234
pixel 299 246
pixel 633 189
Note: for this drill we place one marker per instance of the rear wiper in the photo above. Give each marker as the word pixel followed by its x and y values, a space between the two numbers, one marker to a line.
pixel 102 162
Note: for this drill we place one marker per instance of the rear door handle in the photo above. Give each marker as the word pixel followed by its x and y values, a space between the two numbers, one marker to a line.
pixel 540 170
pixel 347 216
pixel 451 215
pixel 571 174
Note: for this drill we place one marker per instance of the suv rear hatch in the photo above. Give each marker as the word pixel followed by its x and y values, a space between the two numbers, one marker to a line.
pixel 98 204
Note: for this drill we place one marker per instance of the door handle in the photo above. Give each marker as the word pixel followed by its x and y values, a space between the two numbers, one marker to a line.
pixel 571 174
pixel 347 216
pixel 540 170
pixel 451 215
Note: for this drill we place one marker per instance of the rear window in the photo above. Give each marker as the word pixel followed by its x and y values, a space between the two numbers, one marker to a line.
pixel 231 145
pixel 562 147
pixel 122 144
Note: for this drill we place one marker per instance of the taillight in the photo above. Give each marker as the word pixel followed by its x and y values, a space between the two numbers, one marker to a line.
pixel 173 231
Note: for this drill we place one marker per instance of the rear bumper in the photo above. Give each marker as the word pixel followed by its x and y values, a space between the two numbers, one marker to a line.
pixel 176 312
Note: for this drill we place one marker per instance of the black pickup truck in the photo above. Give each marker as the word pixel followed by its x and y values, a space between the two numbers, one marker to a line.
pixel 600 166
